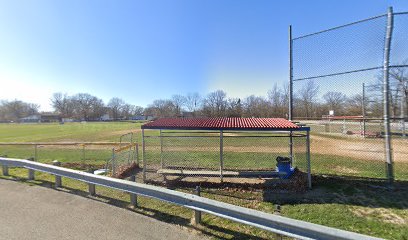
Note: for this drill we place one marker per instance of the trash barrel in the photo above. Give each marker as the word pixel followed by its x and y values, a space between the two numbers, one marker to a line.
pixel 284 165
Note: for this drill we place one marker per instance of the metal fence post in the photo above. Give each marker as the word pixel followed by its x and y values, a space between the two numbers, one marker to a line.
pixel 137 154
pixel 386 96
pixel 143 156
pixel 290 115
pixel 161 149
pixel 133 197
pixel 221 156
pixel 113 162
pixel 309 168
pixel 35 153
pixel 364 112
pixel 91 186
pixel 197 214
pixel 30 171
pixel 58 182
pixel 403 108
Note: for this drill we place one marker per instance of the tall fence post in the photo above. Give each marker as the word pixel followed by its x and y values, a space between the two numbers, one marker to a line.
pixel 133 197
pixel 363 104
pixel 309 168
pixel 161 149
pixel 137 154
pixel 386 96
pixel 143 156
pixel 35 153
pixel 290 114
pixel 58 182
pixel 30 171
pixel 113 162
pixel 403 108
pixel 197 214
pixel 221 156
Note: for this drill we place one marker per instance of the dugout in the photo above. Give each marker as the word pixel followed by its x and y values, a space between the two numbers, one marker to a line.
pixel 223 147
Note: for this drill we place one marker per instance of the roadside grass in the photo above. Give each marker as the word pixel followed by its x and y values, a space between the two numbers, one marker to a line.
pixel 345 203
pixel 352 201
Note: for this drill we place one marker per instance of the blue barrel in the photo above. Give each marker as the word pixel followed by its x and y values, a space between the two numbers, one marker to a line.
pixel 284 165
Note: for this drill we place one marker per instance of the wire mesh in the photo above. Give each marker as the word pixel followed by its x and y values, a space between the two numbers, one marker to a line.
pixel 338 82
pixel 209 156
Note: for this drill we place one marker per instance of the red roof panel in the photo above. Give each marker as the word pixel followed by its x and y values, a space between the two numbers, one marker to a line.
pixel 222 123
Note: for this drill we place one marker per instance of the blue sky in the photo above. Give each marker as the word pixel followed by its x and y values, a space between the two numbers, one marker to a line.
pixel 145 50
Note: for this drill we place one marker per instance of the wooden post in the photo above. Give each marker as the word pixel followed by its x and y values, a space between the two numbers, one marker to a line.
pixel 30 171
pixel 133 197
pixel 197 214
pixel 58 182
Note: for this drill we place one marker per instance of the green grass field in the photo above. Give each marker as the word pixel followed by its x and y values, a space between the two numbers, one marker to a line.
pixel 350 203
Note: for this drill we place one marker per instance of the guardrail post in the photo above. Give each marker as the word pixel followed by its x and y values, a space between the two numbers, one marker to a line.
pixel 133 197
pixel 58 182
pixel 5 168
pixel 30 171
pixel 91 186
pixel 197 214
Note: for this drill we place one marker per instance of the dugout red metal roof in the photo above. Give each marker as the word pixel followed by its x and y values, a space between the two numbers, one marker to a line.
pixel 222 124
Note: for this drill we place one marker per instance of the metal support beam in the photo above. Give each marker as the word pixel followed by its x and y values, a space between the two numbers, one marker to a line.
pixel 221 156
pixel 403 109
pixel 386 96
pixel 143 156
pixel 161 149
pixel 309 168
pixel 363 111
pixel 290 114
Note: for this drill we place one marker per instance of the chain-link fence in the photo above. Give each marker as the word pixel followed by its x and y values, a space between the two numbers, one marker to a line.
pixel 83 156
pixel 340 79
pixel 197 157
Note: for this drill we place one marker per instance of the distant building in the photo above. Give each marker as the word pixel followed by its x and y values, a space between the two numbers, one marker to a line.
pixel 42 117
pixel 142 117
pixel 106 117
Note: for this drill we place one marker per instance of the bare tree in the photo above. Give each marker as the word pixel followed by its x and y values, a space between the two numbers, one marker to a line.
pixel 308 98
pixel 115 107
pixel 16 109
pixel 215 104
pixel 193 102
pixel 63 104
pixel 335 101
pixel 178 101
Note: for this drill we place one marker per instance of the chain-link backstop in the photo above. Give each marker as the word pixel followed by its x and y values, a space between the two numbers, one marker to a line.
pixel 349 83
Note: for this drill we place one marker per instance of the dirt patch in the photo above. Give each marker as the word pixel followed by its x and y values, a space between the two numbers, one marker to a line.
pixel 383 214
pixel 343 169
pixel 368 149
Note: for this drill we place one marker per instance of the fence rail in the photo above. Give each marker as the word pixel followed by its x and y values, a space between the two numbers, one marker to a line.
pixel 277 224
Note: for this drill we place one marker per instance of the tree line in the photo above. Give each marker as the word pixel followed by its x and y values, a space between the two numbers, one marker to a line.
pixel 308 103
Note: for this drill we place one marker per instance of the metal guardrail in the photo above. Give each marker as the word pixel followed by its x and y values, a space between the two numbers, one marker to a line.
pixel 274 223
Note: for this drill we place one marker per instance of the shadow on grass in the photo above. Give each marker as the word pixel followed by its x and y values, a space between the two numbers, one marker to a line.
pixel 204 228
pixel 359 191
